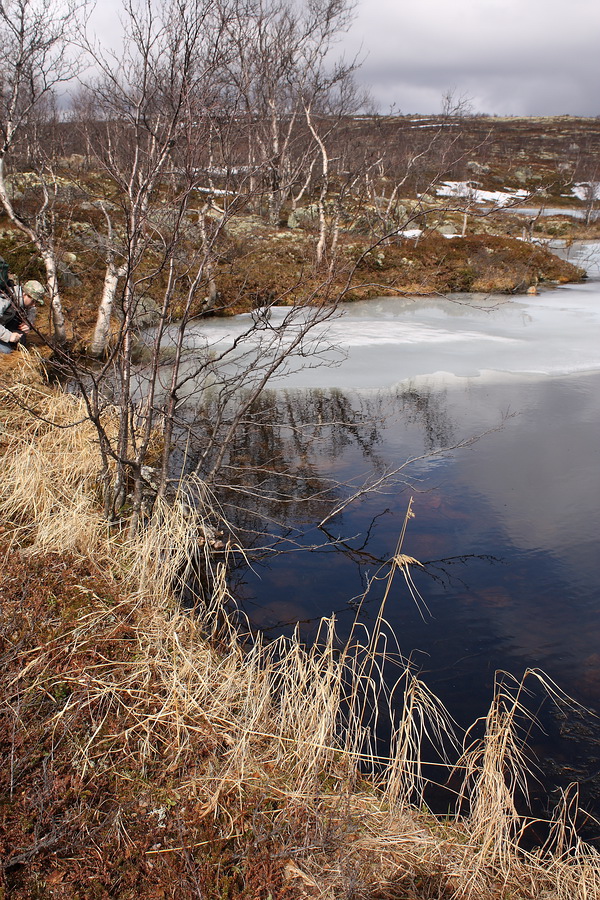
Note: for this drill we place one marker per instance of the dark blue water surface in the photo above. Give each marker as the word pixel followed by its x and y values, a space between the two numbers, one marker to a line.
pixel 507 529
pixel 497 403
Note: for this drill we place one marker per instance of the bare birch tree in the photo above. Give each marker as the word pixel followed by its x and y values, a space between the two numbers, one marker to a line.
pixel 149 114
pixel 35 59
pixel 162 122
pixel 279 66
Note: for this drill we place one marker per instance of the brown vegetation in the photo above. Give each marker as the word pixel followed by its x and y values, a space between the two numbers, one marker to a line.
pixel 276 265
pixel 147 751
pixel 254 262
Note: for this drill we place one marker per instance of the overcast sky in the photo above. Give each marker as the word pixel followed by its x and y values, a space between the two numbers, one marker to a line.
pixel 519 57
pixel 510 57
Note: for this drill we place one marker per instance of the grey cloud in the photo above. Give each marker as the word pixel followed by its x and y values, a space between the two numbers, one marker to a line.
pixel 524 57
pixel 533 58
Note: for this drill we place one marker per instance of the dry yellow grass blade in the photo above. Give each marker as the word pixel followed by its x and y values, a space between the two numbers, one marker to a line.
pixel 49 472
pixel 282 719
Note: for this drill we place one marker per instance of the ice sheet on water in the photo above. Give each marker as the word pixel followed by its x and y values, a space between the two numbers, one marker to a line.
pixel 390 340
pixel 585 254
pixel 378 343
pixel 399 332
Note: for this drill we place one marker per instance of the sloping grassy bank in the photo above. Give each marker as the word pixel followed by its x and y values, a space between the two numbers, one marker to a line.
pixel 259 264
pixel 275 263
pixel 148 752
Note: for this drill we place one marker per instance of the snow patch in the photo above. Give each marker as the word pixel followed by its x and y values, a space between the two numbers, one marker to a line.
pixel 587 190
pixel 465 190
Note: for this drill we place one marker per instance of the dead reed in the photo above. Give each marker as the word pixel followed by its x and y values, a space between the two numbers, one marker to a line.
pixel 146 694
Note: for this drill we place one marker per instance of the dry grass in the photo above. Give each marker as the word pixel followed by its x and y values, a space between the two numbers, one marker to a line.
pixel 49 467
pixel 261 749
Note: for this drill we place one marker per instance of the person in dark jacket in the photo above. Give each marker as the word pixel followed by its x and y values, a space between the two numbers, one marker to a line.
pixel 17 314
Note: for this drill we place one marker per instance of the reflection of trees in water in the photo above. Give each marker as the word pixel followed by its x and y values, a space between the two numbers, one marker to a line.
pixel 274 468
pixel 284 466
pixel 424 406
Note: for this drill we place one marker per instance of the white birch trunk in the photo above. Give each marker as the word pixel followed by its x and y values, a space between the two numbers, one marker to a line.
pixel 102 328
pixel 324 187
pixel 58 319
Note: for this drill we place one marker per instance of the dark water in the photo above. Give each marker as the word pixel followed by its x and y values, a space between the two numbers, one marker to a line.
pixel 507 529
pixel 497 403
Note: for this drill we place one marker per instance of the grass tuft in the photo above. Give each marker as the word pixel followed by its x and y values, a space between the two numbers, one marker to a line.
pixel 146 746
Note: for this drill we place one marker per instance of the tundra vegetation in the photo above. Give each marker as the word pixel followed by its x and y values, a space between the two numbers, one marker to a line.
pixel 220 162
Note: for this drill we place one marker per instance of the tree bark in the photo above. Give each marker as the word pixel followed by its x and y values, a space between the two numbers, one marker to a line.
pixel 101 331
pixel 45 251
